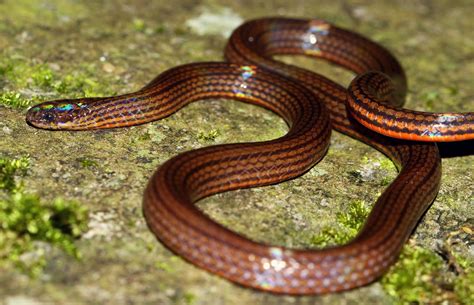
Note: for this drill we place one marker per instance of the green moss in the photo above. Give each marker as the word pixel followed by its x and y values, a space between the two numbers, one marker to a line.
pixel 139 25
pixel 26 12
pixel 446 94
pixel 386 181
pixel 462 261
pixel 149 134
pixel 429 98
pixel 387 164
pixel 354 217
pixel 383 163
pixel 160 29
pixel 42 76
pixel 19 73
pixel 26 222
pixel 87 163
pixel 82 84
pixel 10 171
pixel 164 266
pixel 348 225
pixel 209 136
pixel 16 73
pixel 189 298
pixel 168 265
pixel 464 287
pixel 14 99
pixel 6 68
pixel 411 279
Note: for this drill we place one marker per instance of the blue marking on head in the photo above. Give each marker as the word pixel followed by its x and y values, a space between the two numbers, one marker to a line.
pixel 65 107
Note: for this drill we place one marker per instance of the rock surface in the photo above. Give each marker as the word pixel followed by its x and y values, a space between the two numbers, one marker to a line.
pixel 119 46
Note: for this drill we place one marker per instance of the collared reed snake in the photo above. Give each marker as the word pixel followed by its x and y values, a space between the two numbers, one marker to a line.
pixel 311 105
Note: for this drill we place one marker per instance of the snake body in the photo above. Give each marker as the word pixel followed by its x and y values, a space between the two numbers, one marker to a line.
pixel 311 105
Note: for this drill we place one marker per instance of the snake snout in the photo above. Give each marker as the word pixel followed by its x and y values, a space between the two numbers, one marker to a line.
pixel 51 115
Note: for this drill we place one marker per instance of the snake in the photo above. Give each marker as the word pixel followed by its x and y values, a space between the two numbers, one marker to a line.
pixel 369 110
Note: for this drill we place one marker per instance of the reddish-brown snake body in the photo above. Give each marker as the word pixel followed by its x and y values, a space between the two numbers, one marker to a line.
pixel 311 105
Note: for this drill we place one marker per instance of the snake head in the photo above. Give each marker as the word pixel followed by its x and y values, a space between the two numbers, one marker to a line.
pixel 57 115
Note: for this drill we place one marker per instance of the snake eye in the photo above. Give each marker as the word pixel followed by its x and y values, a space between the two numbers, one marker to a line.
pixel 48 117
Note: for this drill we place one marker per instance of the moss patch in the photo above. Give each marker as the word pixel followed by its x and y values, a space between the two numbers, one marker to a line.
pixel 18 72
pixel 29 12
pixel 209 136
pixel 82 84
pixel 417 277
pixel 10 171
pixel 464 287
pixel 348 224
pixel 28 224
pixel 458 252
pixel 38 82
pixel 412 279
pixel 64 48
pixel 14 100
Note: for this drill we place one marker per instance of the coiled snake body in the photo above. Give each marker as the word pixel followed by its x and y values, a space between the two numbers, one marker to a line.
pixel 311 105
